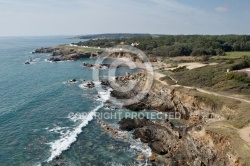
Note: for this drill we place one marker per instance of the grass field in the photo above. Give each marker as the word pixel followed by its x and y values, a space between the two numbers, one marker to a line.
pixel 80 49
pixel 233 55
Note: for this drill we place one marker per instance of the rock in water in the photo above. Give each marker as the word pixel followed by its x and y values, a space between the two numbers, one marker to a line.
pixel 153 158
pixel 140 157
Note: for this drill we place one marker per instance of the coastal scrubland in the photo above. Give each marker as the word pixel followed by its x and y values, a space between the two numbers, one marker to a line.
pixel 181 45
pixel 205 78
pixel 79 49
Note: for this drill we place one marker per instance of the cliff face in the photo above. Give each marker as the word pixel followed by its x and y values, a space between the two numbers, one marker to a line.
pixel 167 99
pixel 186 144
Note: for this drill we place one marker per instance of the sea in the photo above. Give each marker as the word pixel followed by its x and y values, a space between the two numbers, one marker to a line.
pixel 46 121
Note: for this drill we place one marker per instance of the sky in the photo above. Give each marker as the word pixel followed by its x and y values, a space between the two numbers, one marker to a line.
pixel 75 17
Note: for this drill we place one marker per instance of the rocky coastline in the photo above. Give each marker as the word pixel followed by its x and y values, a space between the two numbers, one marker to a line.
pixel 65 53
pixel 62 54
pixel 183 142
pixel 188 141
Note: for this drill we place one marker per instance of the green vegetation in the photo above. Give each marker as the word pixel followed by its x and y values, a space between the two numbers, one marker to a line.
pixel 237 55
pixel 231 56
pixel 100 43
pixel 112 36
pixel 80 49
pixel 212 101
pixel 168 80
pixel 216 78
pixel 179 69
pixel 240 77
pixel 237 116
pixel 181 45
pixel 241 64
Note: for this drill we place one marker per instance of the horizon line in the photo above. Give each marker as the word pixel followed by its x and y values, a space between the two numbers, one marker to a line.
pixel 122 33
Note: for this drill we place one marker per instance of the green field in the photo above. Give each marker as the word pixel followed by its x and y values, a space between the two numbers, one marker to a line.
pixel 80 49
pixel 233 55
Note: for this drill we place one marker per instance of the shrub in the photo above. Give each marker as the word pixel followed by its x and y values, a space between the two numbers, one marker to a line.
pixel 241 65
pixel 239 76
pixel 179 69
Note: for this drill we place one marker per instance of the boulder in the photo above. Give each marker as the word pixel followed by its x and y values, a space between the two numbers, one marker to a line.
pixel 140 157
pixel 146 135
pixel 153 158
pixel 158 147
pixel 127 75
pixel 131 124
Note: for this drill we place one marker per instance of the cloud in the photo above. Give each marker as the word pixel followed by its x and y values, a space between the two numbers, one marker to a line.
pixel 221 9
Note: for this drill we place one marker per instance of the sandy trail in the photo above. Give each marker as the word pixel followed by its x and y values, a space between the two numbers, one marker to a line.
pixel 216 94
pixel 159 75
pixel 245 134
pixel 194 65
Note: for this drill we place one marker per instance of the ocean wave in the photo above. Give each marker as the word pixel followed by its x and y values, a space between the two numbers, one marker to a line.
pixel 139 146
pixel 47 60
pixel 105 95
pixel 83 86
pixel 69 137
pixel 97 83
pixel 65 141
pixel 59 130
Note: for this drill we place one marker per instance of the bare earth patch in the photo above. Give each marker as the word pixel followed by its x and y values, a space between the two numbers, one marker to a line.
pixel 245 134
pixel 193 65
pixel 247 70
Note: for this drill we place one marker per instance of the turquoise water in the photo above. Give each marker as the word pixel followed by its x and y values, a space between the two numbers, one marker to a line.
pixel 35 103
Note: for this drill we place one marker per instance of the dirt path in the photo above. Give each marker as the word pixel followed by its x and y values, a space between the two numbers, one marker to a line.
pixel 245 134
pixel 216 94
pixel 159 75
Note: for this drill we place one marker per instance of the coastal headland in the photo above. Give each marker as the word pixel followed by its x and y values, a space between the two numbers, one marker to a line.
pixel 214 124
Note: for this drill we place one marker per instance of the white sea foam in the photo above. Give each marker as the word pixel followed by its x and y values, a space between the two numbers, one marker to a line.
pixel 47 60
pixel 97 83
pixel 139 146
pixel 105 94
pixel 76 117
pixel 83 86
pixel 143 149
pixel 66 139
pixel 69 83
pixel 59 130
pixel 112 78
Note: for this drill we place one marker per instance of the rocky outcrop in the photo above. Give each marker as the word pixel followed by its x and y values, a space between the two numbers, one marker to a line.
pixel 96 66
pixel 44 50
pixel 131 124
pixel 185 143
pixel 127 55
pixel 165 99
pixel 178 145
pixel 62 54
